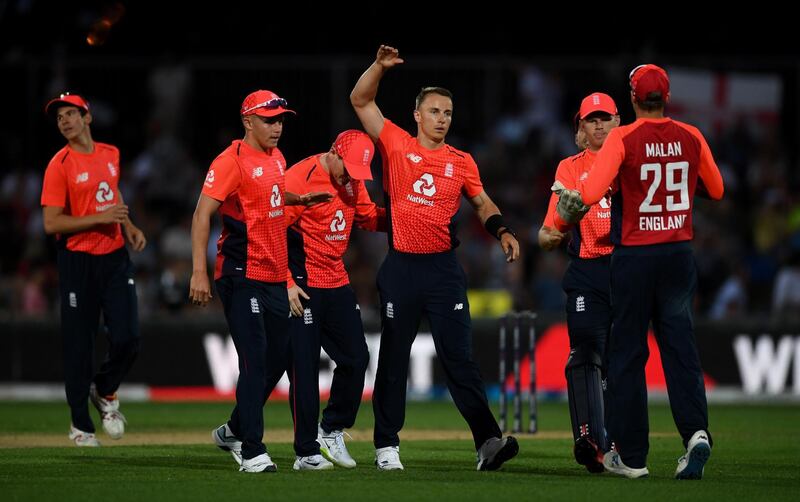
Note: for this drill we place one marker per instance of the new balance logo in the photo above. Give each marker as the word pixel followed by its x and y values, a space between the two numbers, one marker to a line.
pixel 459 306
pixel 416 159
pixel 424 185
pixel 82 178
pixel 580 305
pixel 307 317
pixel 254 306
pixel 390 310
pixel 258 171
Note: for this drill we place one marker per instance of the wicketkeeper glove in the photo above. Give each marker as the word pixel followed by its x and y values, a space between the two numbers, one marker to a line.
pixel 570 206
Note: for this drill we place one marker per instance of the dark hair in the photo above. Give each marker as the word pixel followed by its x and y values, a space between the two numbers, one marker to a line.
pixel 432 90
pixel 653 101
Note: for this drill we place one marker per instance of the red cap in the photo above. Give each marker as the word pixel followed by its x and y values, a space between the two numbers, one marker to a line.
pixel 264 104
pixel 597 102
pixel 649 78
pixel 67 99
pixel 356 150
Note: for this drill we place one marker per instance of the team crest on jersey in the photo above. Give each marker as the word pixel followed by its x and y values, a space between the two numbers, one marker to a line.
pixel 413 157
pixel 258 171
pixel 448 170
pixel 112 169
pixel 349 188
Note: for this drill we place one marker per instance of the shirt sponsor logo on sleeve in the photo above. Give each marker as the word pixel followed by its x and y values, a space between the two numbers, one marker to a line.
pixel 209 179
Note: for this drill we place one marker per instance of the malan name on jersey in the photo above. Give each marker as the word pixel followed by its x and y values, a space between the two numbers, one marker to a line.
pixel 662 149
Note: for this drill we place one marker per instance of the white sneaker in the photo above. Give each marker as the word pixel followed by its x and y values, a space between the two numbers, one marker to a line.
pixel 82 438
pixel 227 441
pixel 312 463
pixel 388 459
pixel 613 463
pixel 261 463
pixel 108 406
pixel 495 451
pixel 332 447
pixel 692 464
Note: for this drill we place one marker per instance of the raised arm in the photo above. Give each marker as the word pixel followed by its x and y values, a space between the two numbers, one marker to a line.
pixel 363 94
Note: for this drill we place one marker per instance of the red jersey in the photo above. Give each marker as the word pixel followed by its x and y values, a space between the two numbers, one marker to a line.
pixel 657 163
pixel 85 184
pixel 318 235
pixel 590 237
pixel 424 188
pixel 250 185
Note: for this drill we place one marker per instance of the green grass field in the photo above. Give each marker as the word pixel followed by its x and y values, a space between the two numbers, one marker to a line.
pixel 756 456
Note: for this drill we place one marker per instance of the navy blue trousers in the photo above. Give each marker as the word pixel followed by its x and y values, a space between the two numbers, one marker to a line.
pixel 332 320
pixel 90 284
pixel 587 284
pixel 434 285
pixel 257 314
pixel 652 283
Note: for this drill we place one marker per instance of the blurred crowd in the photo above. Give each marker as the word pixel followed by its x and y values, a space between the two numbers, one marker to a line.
pixel 747 246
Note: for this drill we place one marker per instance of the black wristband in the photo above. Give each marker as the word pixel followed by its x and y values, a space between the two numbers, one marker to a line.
pixel 493 224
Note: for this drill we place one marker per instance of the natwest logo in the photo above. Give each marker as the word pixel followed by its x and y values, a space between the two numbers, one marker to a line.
pixel 275 198
pixel 338 223
pixel 104 192
pixel 424 185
